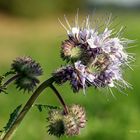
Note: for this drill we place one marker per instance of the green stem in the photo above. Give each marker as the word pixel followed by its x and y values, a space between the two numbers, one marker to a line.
pixel 60 98
pixel 11 80
pixel 27 107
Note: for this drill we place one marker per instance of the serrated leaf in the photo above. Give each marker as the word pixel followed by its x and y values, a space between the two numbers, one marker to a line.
pixel 1 79
pixel 5 75
pixel 8 73
pixel 2 87
pixel 40 107
pixel 12 119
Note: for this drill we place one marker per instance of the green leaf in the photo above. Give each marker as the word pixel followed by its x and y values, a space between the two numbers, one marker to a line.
pixel 2 87
pixel 1 79
pixel 12 119
pixel 40 107
pixel 8 73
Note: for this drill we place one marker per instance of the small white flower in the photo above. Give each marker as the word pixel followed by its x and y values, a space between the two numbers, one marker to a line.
pixel 85 34
pixel 91 43
pixel 74 32
pixel 80 67
pixel 90 77
pixel 106 33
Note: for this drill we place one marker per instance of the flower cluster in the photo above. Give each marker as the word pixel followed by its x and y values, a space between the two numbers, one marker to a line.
pixel 27 71
pixel 66 124
pixel 95 58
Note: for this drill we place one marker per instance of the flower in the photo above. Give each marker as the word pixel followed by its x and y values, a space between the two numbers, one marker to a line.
pixel 70 49
pixel 75 120
pixel 56 125
pixel 63 74
pixel 28 71
pixel 100 58
pixel 74 74
pixel 66 124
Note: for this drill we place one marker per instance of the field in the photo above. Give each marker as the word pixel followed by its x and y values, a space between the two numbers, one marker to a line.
pixel 41 39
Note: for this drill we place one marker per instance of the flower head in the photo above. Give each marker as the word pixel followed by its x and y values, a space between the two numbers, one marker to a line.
pixel 75 120
pixel 72 74
pixel 100 57
pixel 66 124
pixel 28 71
pixel 56 125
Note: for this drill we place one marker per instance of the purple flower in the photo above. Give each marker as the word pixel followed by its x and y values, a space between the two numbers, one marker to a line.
pixel 28 71
pixel 100 57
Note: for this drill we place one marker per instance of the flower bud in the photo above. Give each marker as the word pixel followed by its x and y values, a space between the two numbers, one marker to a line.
pixel 27 71
pixel 68 124
pixel 63 74
pixel 56 124
pixel 75 120
pixel 70 50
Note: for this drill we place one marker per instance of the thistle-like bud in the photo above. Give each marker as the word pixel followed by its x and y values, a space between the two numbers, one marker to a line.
pixel 75 120
pixel 63 74
pixel 72 74
pixel 56 124
pixel 27 70
pixel 68 124
pixel 79 113
pixel 70 50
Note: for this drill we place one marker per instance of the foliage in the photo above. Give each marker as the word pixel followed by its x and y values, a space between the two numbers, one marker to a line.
pixel 2 78
pixel 41 107
pixel 12 118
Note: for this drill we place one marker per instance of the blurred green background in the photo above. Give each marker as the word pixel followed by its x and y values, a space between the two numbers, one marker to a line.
pixel 31 28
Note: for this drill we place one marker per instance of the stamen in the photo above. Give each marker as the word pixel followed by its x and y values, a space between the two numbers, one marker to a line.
pixel 63 25
pixel 112 93
pixel 76 18
pixel 67 22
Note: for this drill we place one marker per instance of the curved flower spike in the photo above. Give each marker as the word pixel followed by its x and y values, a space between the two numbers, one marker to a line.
pixel 28 71
pixel 96 58
pixel 66 124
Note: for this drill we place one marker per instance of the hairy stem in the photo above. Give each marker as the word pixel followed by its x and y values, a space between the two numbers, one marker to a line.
pixel 27 107
pixel 60 98
pixel 11 80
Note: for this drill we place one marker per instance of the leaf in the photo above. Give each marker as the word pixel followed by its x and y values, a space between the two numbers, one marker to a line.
pixel 40 107
pixel 1 79
pixel 8 73
pixel 12 119
pixel 2 87
pixel 5 75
